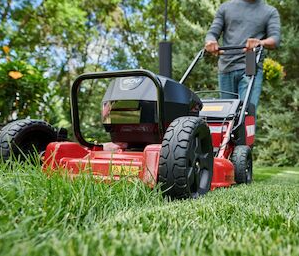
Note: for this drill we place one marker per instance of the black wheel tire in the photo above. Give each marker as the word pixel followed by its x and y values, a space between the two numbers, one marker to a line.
pixel 186 159
pixel 23 137
pixel 242 161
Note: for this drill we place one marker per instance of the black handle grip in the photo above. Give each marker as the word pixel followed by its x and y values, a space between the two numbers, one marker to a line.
pixel 234 47
pixel 231 47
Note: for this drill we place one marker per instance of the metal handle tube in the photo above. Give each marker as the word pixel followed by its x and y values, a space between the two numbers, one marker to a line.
pixel 199 56
pixel 248 93
pixel 113 74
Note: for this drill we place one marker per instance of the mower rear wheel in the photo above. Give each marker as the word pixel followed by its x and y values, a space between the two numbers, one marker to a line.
pixel 242 161
pixel 23 137
pixel 186 159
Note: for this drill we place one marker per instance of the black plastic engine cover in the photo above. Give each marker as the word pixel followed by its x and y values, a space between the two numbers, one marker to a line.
pixel 130 108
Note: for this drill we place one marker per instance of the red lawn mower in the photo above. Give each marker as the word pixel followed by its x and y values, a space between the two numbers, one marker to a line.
pixel 161 132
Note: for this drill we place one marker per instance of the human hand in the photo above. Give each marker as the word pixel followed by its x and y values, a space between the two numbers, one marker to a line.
pixel 252 43
pixel 212 47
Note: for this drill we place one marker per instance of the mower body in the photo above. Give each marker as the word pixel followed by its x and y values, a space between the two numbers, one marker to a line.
pixel 136 142
pixel 132 117
pixel 114 160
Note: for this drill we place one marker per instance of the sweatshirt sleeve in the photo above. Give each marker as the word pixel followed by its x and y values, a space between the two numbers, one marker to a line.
pixel 217 25
pixel 273 27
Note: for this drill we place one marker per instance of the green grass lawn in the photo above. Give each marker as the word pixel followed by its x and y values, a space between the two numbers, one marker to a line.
pixel 55 216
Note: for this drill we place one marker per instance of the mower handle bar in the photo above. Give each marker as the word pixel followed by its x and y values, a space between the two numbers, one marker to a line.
pixel 200 56
pixel 115 74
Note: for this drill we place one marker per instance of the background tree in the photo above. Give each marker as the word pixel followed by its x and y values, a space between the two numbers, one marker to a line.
pixel 23 90
pixel 61 38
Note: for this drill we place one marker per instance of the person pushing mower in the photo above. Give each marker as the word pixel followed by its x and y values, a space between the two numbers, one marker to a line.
pixel 242 22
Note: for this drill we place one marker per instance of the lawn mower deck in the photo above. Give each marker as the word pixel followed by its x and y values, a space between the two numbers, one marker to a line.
pixel 111 164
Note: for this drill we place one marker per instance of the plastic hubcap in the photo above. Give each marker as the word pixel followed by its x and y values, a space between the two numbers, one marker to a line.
pixel 198 174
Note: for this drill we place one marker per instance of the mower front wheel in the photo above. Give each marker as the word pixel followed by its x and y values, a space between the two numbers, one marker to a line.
pixel 186 159
pixel 242 161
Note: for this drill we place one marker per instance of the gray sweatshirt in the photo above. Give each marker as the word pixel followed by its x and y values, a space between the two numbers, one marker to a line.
pixel 239 20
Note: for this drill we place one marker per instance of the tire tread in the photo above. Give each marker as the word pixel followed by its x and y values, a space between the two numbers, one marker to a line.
pixel 10 133
pixel 173 156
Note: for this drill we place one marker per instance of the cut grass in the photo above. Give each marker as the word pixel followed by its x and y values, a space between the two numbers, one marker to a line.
pixel 55 216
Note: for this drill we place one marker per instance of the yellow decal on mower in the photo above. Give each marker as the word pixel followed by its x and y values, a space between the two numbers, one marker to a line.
pixel 125 170
pixel 212 108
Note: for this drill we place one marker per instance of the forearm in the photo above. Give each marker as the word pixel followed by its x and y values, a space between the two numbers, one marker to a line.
pixel 269 43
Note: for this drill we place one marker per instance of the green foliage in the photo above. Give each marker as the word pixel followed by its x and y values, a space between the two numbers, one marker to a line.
pixel 22 91
pixel 42 215
pixel 278 129
pixel 90 97
pixel 187 25
pixel 64 37
pixel 272 70
pixel 192 25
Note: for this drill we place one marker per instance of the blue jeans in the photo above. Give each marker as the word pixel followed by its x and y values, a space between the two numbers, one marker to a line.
pixel 237 82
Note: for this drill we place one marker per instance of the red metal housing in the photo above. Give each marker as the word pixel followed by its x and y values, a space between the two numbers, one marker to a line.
pixel 107 164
